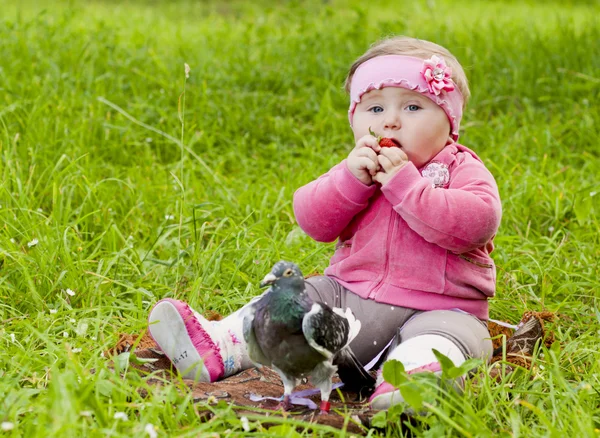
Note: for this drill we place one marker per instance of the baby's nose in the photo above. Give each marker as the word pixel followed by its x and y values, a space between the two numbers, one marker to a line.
pixel 392 120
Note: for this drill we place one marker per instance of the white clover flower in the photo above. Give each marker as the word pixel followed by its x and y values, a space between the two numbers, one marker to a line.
pixel 245 424
pixel 53 311
pixel 70 292
pixel 82 328
pixel 86 413
pixel 120 416
pixel 65 335
pixel 7 425
pixel 76 350
pixel 72 321
pixel 187 70
pixel 592 194
pixel 169 217
pixel 150 430
pixel 33 243
pixel 13 338
pixel 12 240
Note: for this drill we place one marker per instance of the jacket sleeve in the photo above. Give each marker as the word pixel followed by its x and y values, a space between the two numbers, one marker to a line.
pixel 325 206
pixel 460 218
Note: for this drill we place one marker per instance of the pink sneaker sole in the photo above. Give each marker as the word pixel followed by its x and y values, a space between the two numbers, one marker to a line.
pixel 179 334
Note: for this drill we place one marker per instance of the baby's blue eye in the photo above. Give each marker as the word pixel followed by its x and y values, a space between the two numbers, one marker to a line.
pixel 376 109
pixel 413 107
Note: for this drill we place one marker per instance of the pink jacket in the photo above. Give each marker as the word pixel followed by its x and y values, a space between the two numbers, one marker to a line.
pixel 409 243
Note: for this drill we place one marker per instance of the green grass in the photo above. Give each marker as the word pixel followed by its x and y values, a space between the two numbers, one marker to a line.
pixel 93 166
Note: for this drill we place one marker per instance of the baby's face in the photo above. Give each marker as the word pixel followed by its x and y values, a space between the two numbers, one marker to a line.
pixel 416 122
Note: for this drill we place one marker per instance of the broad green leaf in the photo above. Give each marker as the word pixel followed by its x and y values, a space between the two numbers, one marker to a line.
pixel 412 395
pixel 464 368
pixel 446 364
pixel 393 372
pixel 122 361
pixel 379 419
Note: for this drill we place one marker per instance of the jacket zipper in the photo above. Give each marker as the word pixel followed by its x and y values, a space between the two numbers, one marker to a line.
pixel 391 227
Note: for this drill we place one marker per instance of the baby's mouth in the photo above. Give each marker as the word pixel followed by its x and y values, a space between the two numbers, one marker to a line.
pixel 388 142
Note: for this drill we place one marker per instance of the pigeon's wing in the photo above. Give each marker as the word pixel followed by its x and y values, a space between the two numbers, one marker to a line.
pixel 353 323
pixel 325 330
pixel 254 351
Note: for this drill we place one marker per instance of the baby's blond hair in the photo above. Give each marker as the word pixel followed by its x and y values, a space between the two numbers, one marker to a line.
pixel 402 45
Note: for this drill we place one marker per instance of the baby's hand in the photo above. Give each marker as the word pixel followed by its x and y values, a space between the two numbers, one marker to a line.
pixel 362 161
pixel 390 160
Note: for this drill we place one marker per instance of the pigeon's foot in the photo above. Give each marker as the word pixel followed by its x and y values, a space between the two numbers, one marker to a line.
pixel 285 404
pixel 325 407
pixel 184 337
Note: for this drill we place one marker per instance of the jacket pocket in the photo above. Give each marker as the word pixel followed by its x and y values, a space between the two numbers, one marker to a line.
pixel 481 264
pixel 471 272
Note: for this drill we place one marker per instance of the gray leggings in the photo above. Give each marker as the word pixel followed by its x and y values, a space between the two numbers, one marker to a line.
pixel 380 322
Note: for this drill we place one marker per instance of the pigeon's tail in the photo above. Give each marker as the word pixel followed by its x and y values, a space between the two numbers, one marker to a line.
pixel 353 374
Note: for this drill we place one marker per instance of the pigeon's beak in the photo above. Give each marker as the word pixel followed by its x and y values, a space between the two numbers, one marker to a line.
pixel 269 279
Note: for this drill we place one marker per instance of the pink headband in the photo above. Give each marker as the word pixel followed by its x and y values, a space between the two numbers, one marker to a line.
pixel 431 78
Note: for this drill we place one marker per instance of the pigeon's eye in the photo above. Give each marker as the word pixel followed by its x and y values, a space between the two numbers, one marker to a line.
pixel 288 273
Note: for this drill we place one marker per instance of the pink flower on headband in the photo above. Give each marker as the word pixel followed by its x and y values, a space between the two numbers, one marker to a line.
pixel 437 75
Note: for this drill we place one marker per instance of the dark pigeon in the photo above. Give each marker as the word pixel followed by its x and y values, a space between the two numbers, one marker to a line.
pixel 297 337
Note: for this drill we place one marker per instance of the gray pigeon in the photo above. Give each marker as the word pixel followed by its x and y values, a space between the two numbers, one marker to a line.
pixel 297 337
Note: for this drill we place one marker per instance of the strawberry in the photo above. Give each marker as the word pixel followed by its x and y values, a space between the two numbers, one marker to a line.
pixel 387 143
pixel 384 142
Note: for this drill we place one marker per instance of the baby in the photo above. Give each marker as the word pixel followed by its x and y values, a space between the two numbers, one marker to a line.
pixel 414 225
